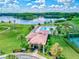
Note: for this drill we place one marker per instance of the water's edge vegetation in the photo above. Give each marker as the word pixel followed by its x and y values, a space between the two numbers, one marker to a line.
pixel 31 16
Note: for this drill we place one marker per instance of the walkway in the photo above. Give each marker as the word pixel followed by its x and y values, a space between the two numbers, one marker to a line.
pixel 24 56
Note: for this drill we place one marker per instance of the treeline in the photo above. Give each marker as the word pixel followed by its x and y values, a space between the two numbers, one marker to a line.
pixel 30 16
pixel 58 15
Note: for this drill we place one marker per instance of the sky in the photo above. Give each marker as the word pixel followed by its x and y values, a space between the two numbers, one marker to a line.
pixel 20 6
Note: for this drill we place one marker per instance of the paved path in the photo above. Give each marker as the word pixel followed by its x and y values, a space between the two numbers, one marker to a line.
pixel 25 56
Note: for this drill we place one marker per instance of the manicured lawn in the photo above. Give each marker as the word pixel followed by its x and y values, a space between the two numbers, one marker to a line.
pixel 68 52
pixel 8 39
pixel 3 28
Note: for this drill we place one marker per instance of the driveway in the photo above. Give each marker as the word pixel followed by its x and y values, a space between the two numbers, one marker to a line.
pixel 25 56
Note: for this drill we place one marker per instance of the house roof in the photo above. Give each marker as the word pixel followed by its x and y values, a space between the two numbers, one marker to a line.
pixel 40 38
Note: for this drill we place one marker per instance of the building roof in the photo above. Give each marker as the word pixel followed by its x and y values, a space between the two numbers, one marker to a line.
pixel 40 38
pixel 32 33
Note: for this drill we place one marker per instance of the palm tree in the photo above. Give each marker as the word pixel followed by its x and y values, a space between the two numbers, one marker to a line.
pixel 9 21
pixel 51 29
pixel 67 28
pixel 58 28
pixel 56 50
pixel 14 24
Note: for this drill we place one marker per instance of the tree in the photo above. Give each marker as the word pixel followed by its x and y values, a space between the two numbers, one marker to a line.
pixel 32 26
pixel 24 42
pixel 67 28
pixel 51 29
pixel 39 24
pixel 9 21
pixel 58 28
pixel 14 21
pixel 2 22
pixel 56 50
pixel 1 52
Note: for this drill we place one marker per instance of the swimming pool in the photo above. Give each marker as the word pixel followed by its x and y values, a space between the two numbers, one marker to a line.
pixel 44 28
pixel 47 28
pixel 75 40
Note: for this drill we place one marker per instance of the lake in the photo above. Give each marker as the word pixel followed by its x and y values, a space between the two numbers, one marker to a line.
pixel 21 21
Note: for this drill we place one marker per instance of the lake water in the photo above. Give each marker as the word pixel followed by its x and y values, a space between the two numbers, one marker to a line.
pixel 20 21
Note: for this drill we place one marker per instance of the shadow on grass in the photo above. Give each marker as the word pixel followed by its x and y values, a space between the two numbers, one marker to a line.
pixel 62 57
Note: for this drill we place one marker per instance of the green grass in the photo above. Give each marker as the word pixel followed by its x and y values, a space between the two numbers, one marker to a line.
pixel 68 52
pixel 8 39
pixel 3 28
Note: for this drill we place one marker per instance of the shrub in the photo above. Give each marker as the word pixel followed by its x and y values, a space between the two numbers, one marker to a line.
pixel 2 22
pixel 57 21
pixel 16 50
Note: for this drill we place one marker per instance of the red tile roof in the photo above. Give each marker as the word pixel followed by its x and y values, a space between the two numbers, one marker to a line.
pixel 40 38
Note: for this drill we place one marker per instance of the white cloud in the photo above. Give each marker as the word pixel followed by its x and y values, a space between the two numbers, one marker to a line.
pixel 66 2
pixel 27 0
pixel 8 1
pixel 29 4
pixel 15 1
pixel 13 6
pixel 20 10
pixel 52 6
pixel 34 6
pixel 56 6
pixel 10 7
pixel 12 3
pixel 73 7
pixel 3 1
pixel 42 6
pixel 40 1
pixel 38 6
